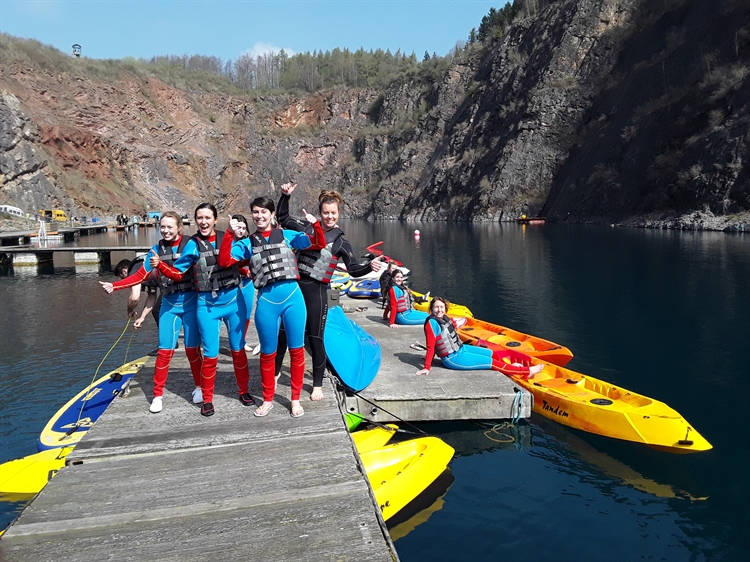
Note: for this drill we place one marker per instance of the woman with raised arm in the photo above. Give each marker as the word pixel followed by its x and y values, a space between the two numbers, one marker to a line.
pixel 280 300
pixel 442 340
pixel 316 268
pixel 218 298
pixel 178 309
pixel 401 304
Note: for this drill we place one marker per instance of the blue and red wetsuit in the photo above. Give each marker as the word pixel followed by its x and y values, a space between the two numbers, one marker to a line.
pixel 178 311
pixel 401 309
pixel 441 338
pixel 279 297
pixel 218 299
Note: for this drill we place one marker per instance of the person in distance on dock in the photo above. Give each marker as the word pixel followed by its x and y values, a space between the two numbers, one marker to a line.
pixel 218 299
pixel 178 310
pixel 275 275
pixel 316 267
pixel 442 339
pixel 401 304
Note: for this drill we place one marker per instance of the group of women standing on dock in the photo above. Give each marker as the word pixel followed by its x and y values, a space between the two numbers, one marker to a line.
pixel 212 277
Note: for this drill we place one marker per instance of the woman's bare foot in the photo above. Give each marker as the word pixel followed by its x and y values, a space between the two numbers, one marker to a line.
pixel 297 410
pixel 316 394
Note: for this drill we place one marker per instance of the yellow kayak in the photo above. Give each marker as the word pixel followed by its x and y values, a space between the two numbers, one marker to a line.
pixel 29 475
pixel 453 310
pixel 373 438
pixel 596 406
pixel 398 473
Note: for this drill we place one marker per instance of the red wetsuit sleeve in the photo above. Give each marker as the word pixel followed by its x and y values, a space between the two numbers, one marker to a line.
pixel 131 281
pixel 429 336
pixel 171 272
pixel 225 251
pixel 392 299
pixel 319 238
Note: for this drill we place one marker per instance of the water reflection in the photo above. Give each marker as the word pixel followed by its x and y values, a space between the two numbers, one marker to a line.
pixel 664 313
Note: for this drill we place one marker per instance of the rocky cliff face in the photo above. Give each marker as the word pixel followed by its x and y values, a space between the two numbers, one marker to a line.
pixel 592 111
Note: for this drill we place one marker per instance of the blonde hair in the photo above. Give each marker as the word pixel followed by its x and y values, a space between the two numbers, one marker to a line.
pixel 329 196
pixel 176 217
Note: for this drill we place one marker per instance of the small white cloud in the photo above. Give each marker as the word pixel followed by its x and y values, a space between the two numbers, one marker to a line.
pixel 265 48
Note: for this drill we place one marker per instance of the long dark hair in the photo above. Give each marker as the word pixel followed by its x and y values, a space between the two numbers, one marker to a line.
pixel 242 219
pixel 205 206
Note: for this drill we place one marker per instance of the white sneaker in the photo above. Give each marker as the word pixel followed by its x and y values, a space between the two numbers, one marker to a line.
pixel 197 395
pixel 156 406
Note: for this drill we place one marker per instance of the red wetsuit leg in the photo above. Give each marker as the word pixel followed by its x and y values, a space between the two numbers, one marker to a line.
pixel 163 359
pixel 195 358
pixel 297 370
pixel 241 370
pixel 267 378
pixel 208 378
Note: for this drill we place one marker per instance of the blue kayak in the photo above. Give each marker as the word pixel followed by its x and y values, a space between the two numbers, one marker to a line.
pixel 353 354
pixel 74 419
pixel 365 289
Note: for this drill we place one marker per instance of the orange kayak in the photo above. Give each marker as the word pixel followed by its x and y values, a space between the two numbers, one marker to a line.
pixel 493 336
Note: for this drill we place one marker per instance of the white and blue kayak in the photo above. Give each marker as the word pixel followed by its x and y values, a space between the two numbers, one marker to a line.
pixel 74 419
pixel 341 281
pixel 353 354
pixel 365 289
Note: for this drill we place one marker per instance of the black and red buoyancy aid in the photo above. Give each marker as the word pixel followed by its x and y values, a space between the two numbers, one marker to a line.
pixel 447 341
pixel 320 264
pixel 208 275
pixel 168 256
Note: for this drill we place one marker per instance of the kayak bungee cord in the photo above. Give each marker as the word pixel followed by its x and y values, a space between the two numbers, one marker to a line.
pixel 86 398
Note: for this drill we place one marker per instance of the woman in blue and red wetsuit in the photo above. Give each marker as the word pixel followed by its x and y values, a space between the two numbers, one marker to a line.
pixel 247 289
pixel 275 274
pixel 178 309
pixel 218 298
pixel 442 340
pixel 401 304
pixel 315 270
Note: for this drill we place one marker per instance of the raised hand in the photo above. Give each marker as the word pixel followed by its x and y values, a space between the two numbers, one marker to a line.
pixel 287 188
pixel 233 224
pixel 312 219
pixel 378 263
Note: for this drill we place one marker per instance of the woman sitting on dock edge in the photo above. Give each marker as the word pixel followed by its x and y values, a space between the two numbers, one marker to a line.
pixel 401 304
pixel 442 339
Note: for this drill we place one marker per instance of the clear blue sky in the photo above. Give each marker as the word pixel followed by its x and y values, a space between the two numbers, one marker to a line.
pixel 228 28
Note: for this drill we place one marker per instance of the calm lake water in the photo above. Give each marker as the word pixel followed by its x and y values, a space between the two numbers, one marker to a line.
pixel 666 314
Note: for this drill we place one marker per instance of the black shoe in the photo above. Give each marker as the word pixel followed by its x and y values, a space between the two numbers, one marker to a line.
pixel 207 409
pixel 247 400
